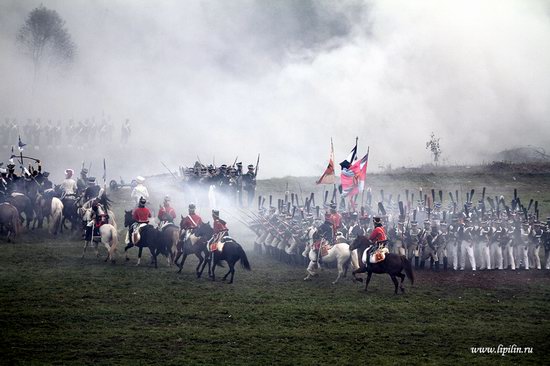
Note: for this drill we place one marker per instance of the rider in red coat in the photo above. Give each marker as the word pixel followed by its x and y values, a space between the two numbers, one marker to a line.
pixel 141 213
pixel 378 235
pixel 192 220
pixel 166 212
pixel 219 224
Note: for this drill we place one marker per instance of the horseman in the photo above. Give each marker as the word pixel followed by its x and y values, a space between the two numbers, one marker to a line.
pixel 377 238
pixel 335 218
pixel 68 186
pixel 166 214
pixel 82 182
pixel 98 217
pixel 192 220
pixel 141 216
pixel 92 190
pixel 220 226
pixel 140 191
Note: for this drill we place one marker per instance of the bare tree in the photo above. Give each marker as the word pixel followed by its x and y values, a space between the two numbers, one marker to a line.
pixel 44 37
pixel 433 146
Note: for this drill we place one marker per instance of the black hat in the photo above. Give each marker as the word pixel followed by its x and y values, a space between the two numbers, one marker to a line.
pixel 215 213
pixel 192 206
pixel 46 174
pixel 239 164
pixel 91 179
pixel 84 171
pixel 377 220
pixel 251 166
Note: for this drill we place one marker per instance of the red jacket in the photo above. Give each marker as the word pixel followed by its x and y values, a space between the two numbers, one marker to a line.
pixel 378 234
pixel 141 214
pixel 191 222
pixel 336 220
pixel 166 211
pixel 219 226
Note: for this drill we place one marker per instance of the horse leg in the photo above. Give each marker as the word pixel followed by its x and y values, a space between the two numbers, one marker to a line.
pixel 394 279
pixel 139 255
pixel 232 270
pixel 126 251
pixel 199 255
pixel 228 272
pixel 206 259
pixel 401 287
pixel 369 275
pixel 182 262
pixel 96 248
pixel 85 246
pixel 212 275
pixel 340 272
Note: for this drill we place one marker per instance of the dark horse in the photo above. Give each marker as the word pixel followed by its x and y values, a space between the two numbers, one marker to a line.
pixel 231 253
pixel 149 237
pixel 9 219
pixel 394 264
pixel 195 243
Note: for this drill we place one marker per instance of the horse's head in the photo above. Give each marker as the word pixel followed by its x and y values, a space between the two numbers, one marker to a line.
pixel 359 242
pixel 128 218
pixel 181 222
pixel 204 230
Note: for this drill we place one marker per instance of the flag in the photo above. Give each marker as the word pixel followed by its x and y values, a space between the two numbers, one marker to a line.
pixel 328 176
pixel 353 178
pixel 20 145
pixel 351 157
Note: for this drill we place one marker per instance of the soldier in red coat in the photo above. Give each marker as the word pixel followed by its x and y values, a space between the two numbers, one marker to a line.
pixel 377 237
pixel 192 220
pixel 220 227
pixel 166 212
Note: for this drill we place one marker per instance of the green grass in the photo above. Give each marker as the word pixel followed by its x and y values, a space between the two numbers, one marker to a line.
pixel 57 308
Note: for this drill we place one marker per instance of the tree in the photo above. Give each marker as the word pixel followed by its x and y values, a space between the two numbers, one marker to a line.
pixel 433 146
pixel 44 37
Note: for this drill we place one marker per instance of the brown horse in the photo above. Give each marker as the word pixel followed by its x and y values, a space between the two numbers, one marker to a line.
pixel 23 205
pixel 9 219
pixel 394 265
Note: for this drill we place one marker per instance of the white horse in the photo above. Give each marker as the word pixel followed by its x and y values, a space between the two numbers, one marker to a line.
pixel 56 215
pixel 108 236
pixel 339 252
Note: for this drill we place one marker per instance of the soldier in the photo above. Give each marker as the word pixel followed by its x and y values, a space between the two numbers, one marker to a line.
pixel 46 183
pixel 192 220
pixel 140 215
pixel 82 182
pixel 249 183
pixel 125 131
pixel 140 190
pixel 68 186
pixel 466 244
pixel 92 190
pixel 166 212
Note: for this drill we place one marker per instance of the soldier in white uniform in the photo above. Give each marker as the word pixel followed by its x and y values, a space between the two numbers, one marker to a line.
pixel 68 186
pixel 140 190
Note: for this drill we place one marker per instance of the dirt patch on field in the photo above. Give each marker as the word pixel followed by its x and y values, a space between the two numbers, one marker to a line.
pixel 482 279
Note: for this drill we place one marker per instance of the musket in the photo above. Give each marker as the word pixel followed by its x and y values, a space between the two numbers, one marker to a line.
pixel 235 162
pixel 257 166
pixel 172 174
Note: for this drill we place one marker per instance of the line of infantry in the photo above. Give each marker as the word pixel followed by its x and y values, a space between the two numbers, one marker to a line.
pixel 476 237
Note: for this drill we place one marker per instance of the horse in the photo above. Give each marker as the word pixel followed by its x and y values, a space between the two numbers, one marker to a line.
pixel 393 265
pixel 148 237
pixel 169 236
pixel 231 252
pixel 108 235
pixel 9 218
pixel 339 253
pixel 23 205
pixel 195 243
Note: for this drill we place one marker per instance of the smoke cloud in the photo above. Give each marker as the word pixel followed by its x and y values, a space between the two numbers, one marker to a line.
pixel 219 79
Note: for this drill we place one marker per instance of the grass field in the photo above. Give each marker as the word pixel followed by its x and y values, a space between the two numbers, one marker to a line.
pixel 58 309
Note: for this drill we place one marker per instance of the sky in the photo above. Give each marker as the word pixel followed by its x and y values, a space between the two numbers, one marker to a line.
pixel 220 79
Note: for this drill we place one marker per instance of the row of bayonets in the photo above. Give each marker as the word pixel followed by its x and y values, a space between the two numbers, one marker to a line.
pixel 293 202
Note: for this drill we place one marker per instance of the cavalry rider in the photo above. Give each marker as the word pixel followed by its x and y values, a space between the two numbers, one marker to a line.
pixel 324 233
pixel 166 212
pixel 335 218
pixel 377 237
pixel 141 215
pixel 192 220
pixel 98 217
pixel 220 228
pixel 140 190
pixel 92 190
pixel 68 186
pixel 82 182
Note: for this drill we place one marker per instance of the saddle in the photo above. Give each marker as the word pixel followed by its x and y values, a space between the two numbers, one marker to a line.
pixel 136 234
pixel 378 256
pixel 219 244
pixel 322 247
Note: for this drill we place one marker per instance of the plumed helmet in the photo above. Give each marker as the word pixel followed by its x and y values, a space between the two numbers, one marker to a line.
pixel 192 206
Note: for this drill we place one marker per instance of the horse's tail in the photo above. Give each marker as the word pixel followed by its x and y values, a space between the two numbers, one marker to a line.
pixel 244 259
pixel 408 268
